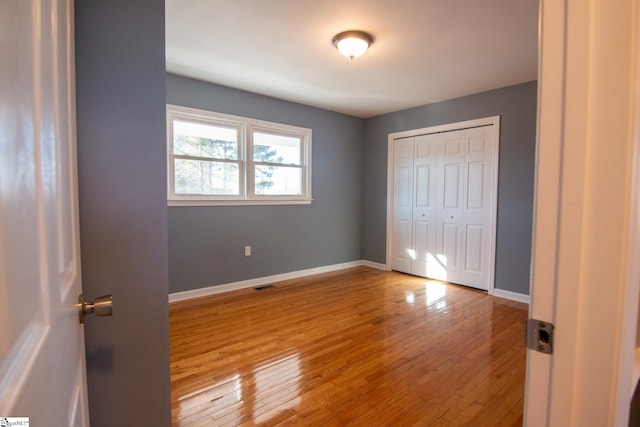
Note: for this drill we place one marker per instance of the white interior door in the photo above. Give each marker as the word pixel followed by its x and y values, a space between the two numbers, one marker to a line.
pixel 450 237
pixel 444 206
pixel 42 370
pixel 403 205
pixel 478 207
pixel 427 183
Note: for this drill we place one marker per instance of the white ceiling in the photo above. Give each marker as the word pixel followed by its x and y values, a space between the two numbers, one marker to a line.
pixel 425 51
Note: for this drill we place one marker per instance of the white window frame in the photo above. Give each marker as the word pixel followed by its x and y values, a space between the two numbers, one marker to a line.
pixel 246 127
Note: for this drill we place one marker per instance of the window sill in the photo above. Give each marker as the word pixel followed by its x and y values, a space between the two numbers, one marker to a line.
pixel 238 202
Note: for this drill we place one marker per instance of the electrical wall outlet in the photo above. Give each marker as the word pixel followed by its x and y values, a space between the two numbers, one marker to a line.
pixel 247 251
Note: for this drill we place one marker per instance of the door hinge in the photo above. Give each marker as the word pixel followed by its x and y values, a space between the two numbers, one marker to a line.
pixel 540 336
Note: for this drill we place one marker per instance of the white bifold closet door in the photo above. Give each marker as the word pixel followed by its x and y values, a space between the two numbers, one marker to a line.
pixel 443 207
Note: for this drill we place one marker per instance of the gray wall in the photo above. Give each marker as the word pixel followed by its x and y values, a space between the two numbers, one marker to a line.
pixel 123 214
pixel 347 220
pixel 207 243
pixel 517 107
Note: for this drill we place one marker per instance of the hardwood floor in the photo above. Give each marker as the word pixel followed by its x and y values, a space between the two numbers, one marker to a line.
pixel 354 347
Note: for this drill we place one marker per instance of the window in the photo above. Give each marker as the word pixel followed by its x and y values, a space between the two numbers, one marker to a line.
pixel 219 159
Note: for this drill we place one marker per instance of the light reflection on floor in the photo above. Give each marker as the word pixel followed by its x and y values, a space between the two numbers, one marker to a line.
pixel 435 292
pixel 252 390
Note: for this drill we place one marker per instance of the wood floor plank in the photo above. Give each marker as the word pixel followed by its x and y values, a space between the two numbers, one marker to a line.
pixel 354 347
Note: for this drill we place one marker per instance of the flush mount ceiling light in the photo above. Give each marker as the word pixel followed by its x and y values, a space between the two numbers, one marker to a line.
pixel 352 43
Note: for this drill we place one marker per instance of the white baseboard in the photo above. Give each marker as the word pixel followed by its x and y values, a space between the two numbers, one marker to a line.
pixel 514 296
pixel 261 281
pixel 375 265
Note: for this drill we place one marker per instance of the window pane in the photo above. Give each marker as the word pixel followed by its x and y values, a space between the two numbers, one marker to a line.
pixel 276 180
pixel 276 148
pixel 203 177
pixel 195 139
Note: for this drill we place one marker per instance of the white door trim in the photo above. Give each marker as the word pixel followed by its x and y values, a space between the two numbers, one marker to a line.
pixel 629 372
pixel 486 121
pixel 585 277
